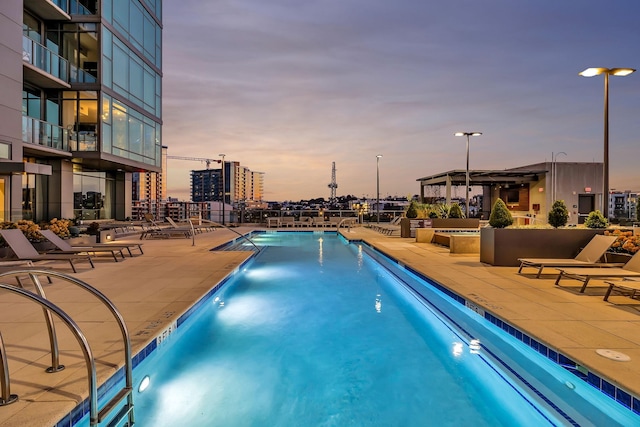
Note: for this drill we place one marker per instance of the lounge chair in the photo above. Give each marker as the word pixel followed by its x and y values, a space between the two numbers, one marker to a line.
pixel 304 221
pixel 630 287
pixel 178 229
pixel 318 221
pixel 24 250
pixel 630 270
pixel 203 224
pixel 114 248
pixel 151 229
pixel 589 256
pixel 273 221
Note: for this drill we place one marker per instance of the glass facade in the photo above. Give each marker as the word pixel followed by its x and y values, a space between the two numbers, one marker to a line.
pixel 131 64
pixel 103 97
pixel 128 75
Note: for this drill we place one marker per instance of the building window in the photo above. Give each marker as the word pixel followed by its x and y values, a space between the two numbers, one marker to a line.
pixel 93 195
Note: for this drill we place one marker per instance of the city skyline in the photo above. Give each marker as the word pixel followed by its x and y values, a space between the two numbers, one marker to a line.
pixel 287 88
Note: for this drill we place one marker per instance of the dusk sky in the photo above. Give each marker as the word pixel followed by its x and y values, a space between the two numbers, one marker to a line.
pixel 286 87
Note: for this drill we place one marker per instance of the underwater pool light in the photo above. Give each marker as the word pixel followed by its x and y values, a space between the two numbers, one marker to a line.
pixel 144 384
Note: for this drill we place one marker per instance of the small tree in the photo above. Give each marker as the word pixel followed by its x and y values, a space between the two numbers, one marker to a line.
pixel 558 215
pixel 596 220
pixel 412 210
pixel 500 216
pixel 455 211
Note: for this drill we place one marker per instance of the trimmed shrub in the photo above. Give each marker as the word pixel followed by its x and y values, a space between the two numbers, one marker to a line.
pixel 558 215
pixel 455 211
pixel 500 216
pixel 412 210
pixel 596 220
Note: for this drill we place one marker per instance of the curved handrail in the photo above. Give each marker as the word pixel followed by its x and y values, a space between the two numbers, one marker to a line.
pixel 77 333
pixel 6 397
pixel 110 306
pixel 51 328
pixel 244 236
pixel 347 220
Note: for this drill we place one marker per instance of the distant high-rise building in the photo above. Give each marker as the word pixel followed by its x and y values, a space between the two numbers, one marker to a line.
pixel 80 95
pixel 149 191
pixel 241 184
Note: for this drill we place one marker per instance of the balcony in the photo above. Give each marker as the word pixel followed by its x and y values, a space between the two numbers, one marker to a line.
pixel 50 10
pixel 44 134
pixel 59 10
pixel 43 67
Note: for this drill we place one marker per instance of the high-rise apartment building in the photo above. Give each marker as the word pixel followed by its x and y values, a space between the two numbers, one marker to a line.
pixel 80 105
pixel 240 183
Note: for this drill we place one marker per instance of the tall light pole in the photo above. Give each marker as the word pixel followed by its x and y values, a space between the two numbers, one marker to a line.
pixel 378 186
pixel 590 72
pixel 224 188
pixel 467 134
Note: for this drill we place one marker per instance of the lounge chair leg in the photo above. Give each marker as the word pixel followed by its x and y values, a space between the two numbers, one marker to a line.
pixel 606 296
pixel 73 267
pixel 558 279
pixel 586 281
pixel 520 269
pixel 539 272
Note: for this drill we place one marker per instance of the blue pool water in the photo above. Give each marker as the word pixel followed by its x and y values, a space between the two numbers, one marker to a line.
pixel 315 332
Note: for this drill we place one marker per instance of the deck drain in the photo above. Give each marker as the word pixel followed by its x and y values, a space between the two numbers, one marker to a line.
pixel 613 355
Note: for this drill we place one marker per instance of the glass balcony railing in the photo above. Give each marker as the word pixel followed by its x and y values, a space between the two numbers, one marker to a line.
pixel 38 132
pixel 78 75
pixel 39 56
pixel 73 7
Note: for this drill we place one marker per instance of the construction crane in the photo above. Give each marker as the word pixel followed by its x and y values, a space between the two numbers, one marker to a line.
pixel 196 159
pixel 333 185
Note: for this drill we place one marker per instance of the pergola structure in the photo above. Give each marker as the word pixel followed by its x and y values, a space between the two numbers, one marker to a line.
pixel 488 179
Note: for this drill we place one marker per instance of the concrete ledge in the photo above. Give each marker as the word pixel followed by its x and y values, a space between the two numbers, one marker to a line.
pixel 424 235
pixel 464 244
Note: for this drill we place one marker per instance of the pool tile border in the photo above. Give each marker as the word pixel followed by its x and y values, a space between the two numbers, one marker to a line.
pixel 623 397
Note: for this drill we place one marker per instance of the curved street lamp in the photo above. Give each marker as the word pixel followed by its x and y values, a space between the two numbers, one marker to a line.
pixel 590 72
pixel 467 134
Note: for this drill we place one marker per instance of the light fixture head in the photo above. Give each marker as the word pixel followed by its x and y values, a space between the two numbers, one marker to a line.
pixel 467 134
pixel 590 72
pixel 379 156
pixel 622 71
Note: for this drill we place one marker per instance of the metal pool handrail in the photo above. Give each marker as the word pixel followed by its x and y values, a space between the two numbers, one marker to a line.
pixel 127 390
pixel 77 333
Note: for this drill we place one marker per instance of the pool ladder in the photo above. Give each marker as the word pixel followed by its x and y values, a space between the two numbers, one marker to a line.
pixel 96 416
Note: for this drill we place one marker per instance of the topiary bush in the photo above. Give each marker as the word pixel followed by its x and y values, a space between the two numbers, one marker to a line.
pixel 500 216
pixel 596 220
pixel 558 215
pixel 455 211
pixel 412 210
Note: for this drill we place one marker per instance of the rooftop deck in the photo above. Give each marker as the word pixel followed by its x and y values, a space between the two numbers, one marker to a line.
pixel 153 289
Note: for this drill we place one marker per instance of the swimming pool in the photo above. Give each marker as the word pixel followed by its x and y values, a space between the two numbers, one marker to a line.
pixel 317 332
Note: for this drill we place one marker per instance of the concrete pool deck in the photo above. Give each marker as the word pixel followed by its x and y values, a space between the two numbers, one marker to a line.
pixel 153 289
